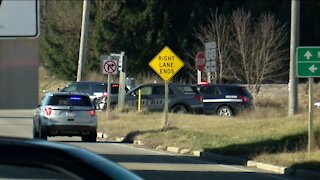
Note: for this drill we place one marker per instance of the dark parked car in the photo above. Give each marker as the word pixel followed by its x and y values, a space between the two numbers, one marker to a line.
pixel 182 98
pixel 225 100
pixel 96 90
pixel 65 114
pixel 22 158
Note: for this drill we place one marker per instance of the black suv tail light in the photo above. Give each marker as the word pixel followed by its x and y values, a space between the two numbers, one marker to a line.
pixel 244 99
pixel 203 83
pixel 198 97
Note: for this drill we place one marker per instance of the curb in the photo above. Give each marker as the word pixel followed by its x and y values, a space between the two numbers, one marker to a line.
pixel 306 174
pixel 102 135
pixel 173 149
pixel 274 168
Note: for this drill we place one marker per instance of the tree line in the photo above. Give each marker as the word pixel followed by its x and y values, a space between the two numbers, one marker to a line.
pixel 251 35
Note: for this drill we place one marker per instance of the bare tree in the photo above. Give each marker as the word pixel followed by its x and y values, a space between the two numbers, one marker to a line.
pixel 66 18
pixel 242 46
pixel 267 50
pixel 259 47
pixel 217 30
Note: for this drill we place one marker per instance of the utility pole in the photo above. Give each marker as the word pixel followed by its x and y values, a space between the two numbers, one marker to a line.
pixel 84 37
pixel 294 41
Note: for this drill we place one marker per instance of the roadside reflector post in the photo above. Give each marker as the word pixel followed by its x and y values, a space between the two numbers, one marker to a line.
pixel 139 100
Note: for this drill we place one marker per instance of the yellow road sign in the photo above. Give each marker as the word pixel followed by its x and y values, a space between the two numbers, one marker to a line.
pixel 166 63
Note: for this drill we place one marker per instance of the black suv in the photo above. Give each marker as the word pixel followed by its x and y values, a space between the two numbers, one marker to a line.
pixel 225 100
pixel 96 90
pixel 183 98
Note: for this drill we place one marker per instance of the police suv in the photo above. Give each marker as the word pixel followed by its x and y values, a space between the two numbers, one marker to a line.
pixel 225 99
pixel 183 98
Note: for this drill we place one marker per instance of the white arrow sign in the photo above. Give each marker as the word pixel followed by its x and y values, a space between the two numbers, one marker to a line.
pixel 313 68
pixel 308 55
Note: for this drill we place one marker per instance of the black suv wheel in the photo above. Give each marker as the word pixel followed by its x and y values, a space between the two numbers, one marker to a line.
pixel 225 111
pixel 179 109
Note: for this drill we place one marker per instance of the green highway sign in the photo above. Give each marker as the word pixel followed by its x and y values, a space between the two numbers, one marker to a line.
pixel 308 62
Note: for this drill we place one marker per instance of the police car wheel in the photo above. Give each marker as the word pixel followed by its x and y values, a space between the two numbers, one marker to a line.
pixel 180 109
pixel 225 111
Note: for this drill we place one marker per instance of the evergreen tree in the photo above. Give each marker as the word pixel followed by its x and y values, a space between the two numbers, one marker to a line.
pixel 59 39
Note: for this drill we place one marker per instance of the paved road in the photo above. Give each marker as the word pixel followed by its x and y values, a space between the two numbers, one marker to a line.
pixel 149 164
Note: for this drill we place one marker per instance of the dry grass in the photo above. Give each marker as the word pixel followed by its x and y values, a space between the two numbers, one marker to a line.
pixel 266 134
pixel 48 83
pixel 262 139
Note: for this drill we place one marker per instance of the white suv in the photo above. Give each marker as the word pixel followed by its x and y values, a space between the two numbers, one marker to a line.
pixel 65 114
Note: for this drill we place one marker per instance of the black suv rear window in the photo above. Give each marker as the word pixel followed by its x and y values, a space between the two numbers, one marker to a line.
pixel 209 90
pixel 186 89
pixel 237 90
pixel 99 87
pixel 69 100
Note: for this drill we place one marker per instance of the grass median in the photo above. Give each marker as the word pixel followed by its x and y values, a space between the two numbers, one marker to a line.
pixel 265 135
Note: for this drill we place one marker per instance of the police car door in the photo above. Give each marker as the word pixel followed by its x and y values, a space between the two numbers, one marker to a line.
pixel 157 100
pixel 152 97
pixel 211 99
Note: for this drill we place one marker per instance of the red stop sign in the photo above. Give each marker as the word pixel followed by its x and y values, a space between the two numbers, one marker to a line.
pixel 200 61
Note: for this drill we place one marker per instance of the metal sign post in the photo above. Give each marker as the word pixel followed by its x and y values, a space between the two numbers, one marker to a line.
pixel 109 65
pixel 310 124
pixel 108 96
pixel 165 121
pixel 308 65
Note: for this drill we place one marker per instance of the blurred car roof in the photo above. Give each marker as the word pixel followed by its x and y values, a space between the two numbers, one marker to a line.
pixel 75 161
